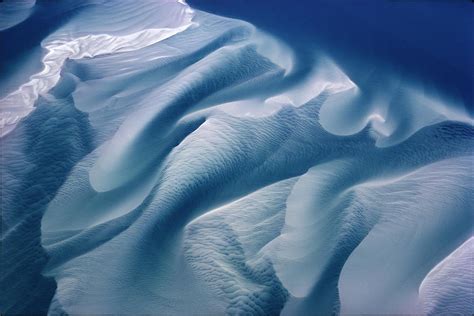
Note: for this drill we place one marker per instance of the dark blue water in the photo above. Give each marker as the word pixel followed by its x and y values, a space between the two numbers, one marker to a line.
pixel 429 40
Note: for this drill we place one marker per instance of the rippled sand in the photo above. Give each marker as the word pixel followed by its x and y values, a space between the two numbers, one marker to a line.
pixel 170 161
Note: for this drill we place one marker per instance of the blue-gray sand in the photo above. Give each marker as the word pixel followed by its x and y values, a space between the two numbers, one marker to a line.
pixel 160 157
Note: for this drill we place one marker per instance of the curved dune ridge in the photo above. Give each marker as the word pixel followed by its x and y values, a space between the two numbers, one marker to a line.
pixel 13 13
pixel 67 43
pixel 171 161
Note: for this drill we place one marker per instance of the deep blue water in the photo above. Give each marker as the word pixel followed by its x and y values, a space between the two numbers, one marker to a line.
pixel 431 40
pixel 165 178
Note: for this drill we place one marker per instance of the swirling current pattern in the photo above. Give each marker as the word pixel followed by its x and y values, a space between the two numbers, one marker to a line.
pixel 158 159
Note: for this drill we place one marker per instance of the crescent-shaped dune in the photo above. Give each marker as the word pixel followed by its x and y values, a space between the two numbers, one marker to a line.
pixel 170 161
